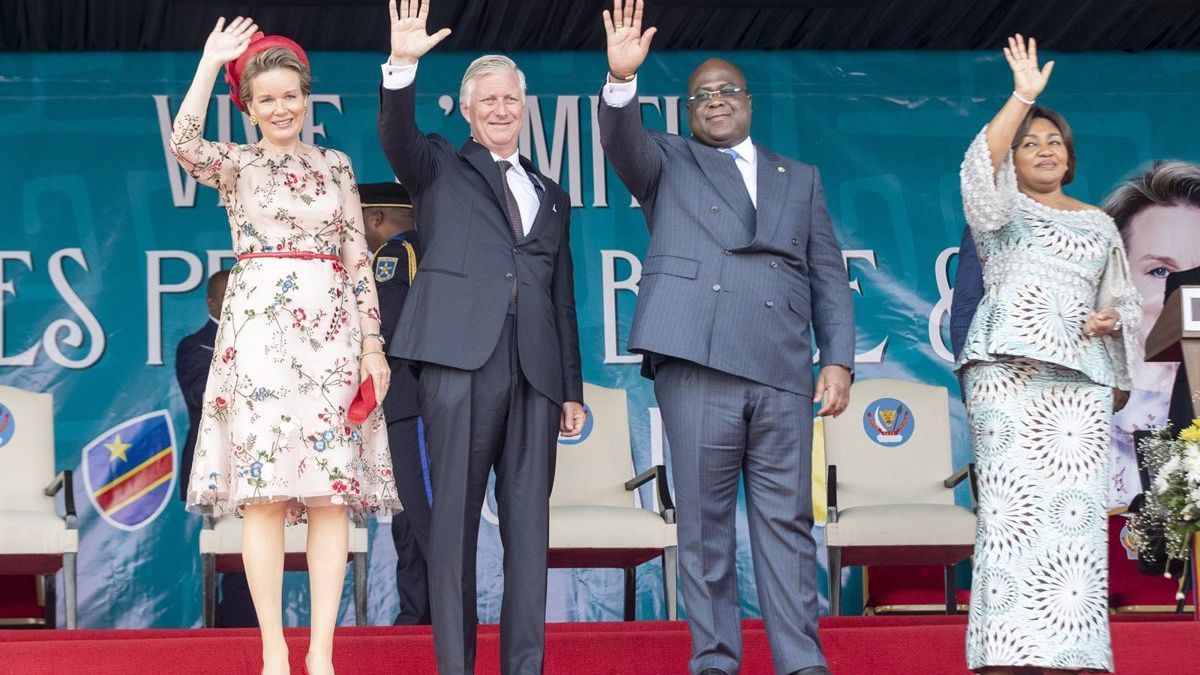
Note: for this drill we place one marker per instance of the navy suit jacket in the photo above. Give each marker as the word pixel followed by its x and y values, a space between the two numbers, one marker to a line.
pixel 968 291
pixel 193 356
pixel 457 305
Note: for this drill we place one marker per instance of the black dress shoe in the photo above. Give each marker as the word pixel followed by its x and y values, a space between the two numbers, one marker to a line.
pixel 812 670
pixel 712 671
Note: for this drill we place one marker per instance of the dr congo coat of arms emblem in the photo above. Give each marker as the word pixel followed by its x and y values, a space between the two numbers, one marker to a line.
pixel 888 421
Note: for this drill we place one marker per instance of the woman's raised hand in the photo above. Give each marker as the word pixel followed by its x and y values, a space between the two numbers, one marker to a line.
pixel 226 43
pixel 1022 57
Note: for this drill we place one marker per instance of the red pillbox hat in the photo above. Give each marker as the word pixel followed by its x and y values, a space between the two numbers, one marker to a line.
pixel 258 43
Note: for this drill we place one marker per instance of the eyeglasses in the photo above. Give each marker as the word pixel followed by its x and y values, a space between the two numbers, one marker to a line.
pixel 724 92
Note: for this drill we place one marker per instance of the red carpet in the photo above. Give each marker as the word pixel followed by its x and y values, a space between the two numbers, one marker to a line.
pixel 928 645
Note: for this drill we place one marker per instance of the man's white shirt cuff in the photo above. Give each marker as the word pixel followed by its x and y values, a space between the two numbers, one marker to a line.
pixel 619 94
pixel 398 77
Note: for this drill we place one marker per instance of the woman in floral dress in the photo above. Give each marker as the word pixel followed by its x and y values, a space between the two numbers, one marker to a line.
pixel 298 333
pixel 1040 367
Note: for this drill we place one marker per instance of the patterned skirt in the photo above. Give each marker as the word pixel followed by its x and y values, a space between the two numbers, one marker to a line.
pixel 284 371
pixel 1039 590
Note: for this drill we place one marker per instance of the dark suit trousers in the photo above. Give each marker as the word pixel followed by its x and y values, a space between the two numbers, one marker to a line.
pixel 235 608
pixel 720 426
pixel 474 421
pixel 410 527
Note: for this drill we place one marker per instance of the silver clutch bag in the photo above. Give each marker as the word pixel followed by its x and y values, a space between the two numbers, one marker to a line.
pixel 1114 286
pixel 1115 281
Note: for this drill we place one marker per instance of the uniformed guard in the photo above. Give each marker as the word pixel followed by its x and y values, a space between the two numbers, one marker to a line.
pixel 387 212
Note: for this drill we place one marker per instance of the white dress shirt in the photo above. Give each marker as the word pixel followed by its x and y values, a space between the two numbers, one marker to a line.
pixel 399 77
pixel 216 321
pixel 621 94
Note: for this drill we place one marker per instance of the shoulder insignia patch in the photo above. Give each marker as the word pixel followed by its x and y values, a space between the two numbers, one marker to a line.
pixel 385 268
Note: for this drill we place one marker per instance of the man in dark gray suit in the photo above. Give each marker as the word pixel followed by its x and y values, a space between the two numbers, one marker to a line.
pixel 490 323
pixel 742 258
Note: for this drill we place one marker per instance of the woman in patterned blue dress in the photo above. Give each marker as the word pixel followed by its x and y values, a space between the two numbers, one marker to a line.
pixel 1040 367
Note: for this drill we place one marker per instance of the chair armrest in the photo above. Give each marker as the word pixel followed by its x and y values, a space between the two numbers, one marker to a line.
pixel 657 473
pixel 958 476
pixel 65 481
pixel 968 472
pixel 831 493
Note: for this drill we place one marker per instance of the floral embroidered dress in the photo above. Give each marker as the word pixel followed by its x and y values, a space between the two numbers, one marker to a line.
pixel 285 364
pixel 1039 397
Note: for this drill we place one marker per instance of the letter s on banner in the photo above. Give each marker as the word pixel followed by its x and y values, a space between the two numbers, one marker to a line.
pixel 74 336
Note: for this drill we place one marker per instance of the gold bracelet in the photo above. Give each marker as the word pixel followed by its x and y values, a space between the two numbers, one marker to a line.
pixel 377 351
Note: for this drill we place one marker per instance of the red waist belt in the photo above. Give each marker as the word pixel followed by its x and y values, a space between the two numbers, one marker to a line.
pixel 302 255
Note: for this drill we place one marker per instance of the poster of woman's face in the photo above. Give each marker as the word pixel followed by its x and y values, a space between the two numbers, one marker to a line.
pixel 1160 240
pixel 1158 214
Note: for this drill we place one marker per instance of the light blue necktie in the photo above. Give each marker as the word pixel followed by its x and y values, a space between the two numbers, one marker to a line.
pixel 734 154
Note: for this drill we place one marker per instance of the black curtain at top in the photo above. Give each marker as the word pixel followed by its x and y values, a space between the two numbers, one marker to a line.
pixel 551 25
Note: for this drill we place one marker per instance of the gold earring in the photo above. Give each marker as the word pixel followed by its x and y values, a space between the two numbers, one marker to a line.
pixel 253 120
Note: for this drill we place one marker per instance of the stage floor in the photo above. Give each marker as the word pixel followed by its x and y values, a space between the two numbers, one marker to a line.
pixel 924 645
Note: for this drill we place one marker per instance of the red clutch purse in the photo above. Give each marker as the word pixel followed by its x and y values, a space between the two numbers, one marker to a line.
pixel 364 402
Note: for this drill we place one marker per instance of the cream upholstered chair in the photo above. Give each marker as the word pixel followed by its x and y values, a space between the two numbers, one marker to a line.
pixel 34 539
pixel 595 520
pixel 891 484
pixel 221 551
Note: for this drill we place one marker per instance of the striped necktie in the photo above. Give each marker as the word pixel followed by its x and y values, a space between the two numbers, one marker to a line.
pixel 514 215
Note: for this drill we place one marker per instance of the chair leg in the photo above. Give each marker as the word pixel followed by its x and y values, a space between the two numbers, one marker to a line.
pixel 835 580
pixel 70 601
pixel 670 563
pixel 630 593
pixel 951 591
pixel 208 588
pixel 360 589
pixel 50 597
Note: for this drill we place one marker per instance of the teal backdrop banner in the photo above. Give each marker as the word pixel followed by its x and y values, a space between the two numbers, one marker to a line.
pixel 105 244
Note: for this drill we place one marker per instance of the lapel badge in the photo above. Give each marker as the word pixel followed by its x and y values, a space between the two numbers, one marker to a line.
pixel 554 208
pixel 385 268
pixel 781 169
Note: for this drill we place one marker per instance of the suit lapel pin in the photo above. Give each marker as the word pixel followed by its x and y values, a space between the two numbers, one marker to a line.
pixel 781 169
pixel 554 208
